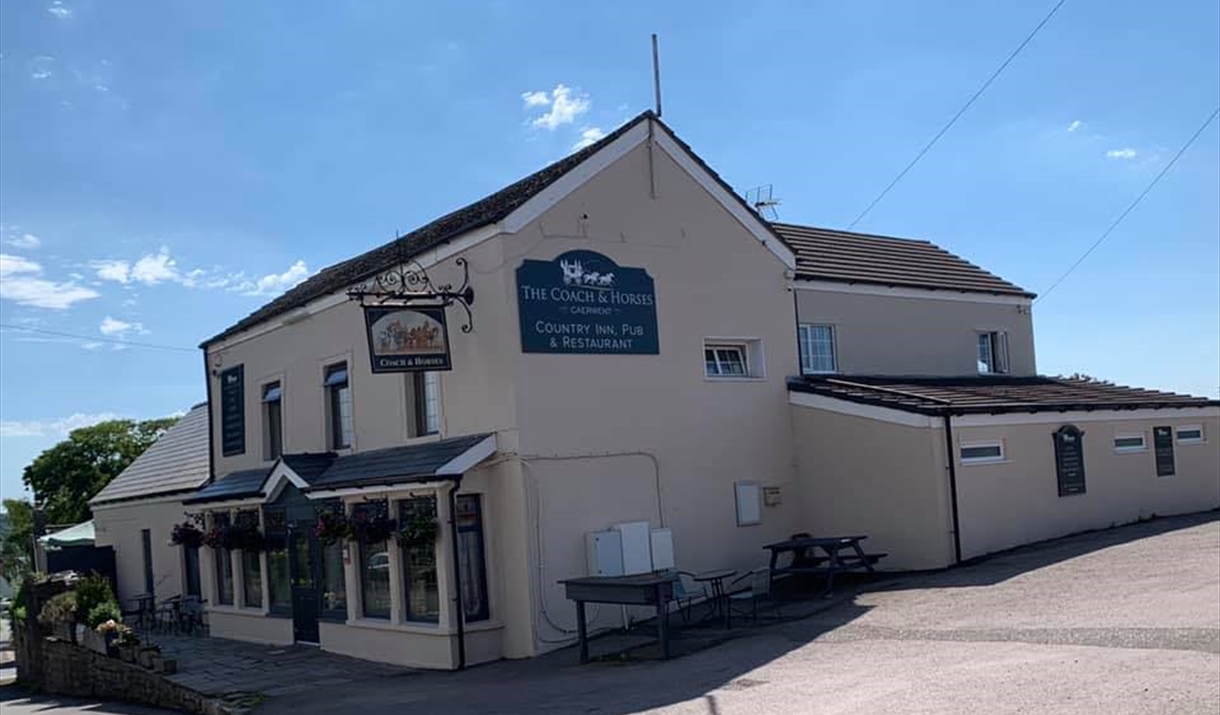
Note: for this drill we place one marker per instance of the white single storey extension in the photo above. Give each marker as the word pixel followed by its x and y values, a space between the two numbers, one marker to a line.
pixel 618 350
pixel 136 512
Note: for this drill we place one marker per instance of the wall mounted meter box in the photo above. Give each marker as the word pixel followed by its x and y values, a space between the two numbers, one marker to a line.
pixel 604 553
pixel 637 546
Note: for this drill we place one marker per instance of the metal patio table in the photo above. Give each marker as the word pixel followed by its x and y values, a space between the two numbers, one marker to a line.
pixel 649 589
pixel 720 600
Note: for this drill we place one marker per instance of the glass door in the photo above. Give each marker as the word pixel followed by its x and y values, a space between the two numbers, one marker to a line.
pixel 302 564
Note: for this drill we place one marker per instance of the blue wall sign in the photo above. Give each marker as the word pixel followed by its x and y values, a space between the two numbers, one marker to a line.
pixel 583 302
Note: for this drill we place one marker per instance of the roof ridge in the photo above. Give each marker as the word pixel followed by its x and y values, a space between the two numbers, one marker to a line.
pixel 840 231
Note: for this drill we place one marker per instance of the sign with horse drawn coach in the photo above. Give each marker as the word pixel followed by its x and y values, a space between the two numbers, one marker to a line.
pixel 407 339
pixel 583 302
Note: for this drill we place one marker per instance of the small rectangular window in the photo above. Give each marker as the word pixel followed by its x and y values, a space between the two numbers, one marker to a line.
pixel 1133 442
pixel 252 579
pixel 427 394
pixel 422 591
pixel 273 421
pixel 725 360
pixel 224 566
pixel 992 353
pixel 339 406
pixel 374 566
pixel 1190 434
pixel 982 452
pixel 817 346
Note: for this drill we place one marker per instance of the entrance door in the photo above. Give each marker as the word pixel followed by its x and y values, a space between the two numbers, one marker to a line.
pixel 303 554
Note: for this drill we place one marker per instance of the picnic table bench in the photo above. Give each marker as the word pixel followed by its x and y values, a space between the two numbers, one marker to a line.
pixel 831 561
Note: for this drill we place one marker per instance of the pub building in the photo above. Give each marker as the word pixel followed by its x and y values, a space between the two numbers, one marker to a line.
pixel 428 436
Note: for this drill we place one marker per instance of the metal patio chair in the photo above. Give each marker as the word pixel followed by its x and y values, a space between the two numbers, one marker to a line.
pixel 757 588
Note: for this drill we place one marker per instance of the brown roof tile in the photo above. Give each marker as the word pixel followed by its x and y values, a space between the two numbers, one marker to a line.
pixel 991 395
pixel 830 255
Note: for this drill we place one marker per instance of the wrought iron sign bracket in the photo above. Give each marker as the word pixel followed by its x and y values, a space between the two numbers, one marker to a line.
pixel 407 283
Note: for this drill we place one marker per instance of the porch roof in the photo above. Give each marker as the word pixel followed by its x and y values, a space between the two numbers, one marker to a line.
pixel 234 485
pixel 410 463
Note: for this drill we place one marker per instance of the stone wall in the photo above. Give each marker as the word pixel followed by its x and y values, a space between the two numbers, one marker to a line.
pixel 68 669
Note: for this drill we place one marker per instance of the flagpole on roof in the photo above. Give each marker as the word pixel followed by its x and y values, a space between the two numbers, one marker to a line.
pixel 656 73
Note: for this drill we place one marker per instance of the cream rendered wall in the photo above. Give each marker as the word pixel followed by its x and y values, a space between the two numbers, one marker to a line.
pixel 888 481
pixel 887 335
pixel 120 525
pixel 1017 501
pixel 606 438
pixel 475 397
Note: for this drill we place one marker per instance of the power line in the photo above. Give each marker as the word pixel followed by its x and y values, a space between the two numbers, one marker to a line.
pixel 957 116
pixel 94 339
pixel 1129 209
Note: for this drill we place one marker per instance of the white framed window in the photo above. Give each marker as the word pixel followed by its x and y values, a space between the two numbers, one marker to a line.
pixel 982 452
pixel 992 350
pixel 1190 434
pixel 733 359
pixel 1130 442
pixel 338 405
pixel 427 394
pixel 817 345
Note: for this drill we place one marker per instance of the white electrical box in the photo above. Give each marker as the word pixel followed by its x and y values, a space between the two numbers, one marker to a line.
pixel 662 549
pixel 604 552
pixel 637 546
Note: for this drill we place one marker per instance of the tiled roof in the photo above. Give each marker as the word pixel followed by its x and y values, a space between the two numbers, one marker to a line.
pixel 177 462
pixel 830 255
pixel 394 465
pixel 481 213
pixel 234 485
pixel 992 395
pixel 309 465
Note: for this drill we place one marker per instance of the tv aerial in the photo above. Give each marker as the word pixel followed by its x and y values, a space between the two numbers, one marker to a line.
pixel 762 200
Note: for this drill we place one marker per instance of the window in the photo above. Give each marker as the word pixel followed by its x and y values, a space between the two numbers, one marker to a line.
pixel 427 403
pixel 224 566
pixel 1190 434
pixel 273 421
pixel 817 344
pixel 1132 442
pixel 419 565
pixel 251 579
pixel 374 566
pixel 993 353
pixel 982 452
pixel 277 575
pixel 725 360
pixel 146 543
pixel 339 406
pixel 190 563
pixel 470 557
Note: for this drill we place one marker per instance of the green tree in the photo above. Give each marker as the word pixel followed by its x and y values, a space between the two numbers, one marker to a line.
pixel 66 476
pixel 16 543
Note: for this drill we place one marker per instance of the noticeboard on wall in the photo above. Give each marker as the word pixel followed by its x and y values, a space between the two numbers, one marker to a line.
pixel 233 411
pixel 1162 447
pixel 584 303
pixel 1069 460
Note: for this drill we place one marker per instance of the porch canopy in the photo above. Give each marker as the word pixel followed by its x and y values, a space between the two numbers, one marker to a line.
pixel 325 475
pixel 81 534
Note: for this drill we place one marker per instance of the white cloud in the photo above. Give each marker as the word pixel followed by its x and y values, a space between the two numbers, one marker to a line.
pixel 53 428
pixel 114 326
pixel 149 269
pixel 588 136
pixel 276 283
pixel 564 107
pixel 1076 124
pixel 21 281
pixel 535 99
pixel 59 10
pixel 1125 153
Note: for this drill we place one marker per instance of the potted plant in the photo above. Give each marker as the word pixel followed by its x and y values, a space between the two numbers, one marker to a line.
pixel 332 526
pixel 109 632
pixel 127 642
pixel 215 537
pixel 186 534
pixel 417 531
pixel 372 528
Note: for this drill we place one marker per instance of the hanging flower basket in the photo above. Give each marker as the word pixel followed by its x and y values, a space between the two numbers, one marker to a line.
pixel 417 531
pixel 215 537
pixel 331 527
pixel 245 537
pixel 186 534
pixel 372 529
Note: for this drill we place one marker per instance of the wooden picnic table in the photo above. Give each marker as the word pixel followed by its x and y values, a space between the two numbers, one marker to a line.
pixel 833 562
pixel 649 589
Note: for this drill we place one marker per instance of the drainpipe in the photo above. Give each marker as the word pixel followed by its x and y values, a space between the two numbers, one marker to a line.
pixel 207 381
pixel 957 532
pixel 457 575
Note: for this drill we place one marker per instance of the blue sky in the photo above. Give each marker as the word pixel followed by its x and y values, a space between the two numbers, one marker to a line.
pixel 165 168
